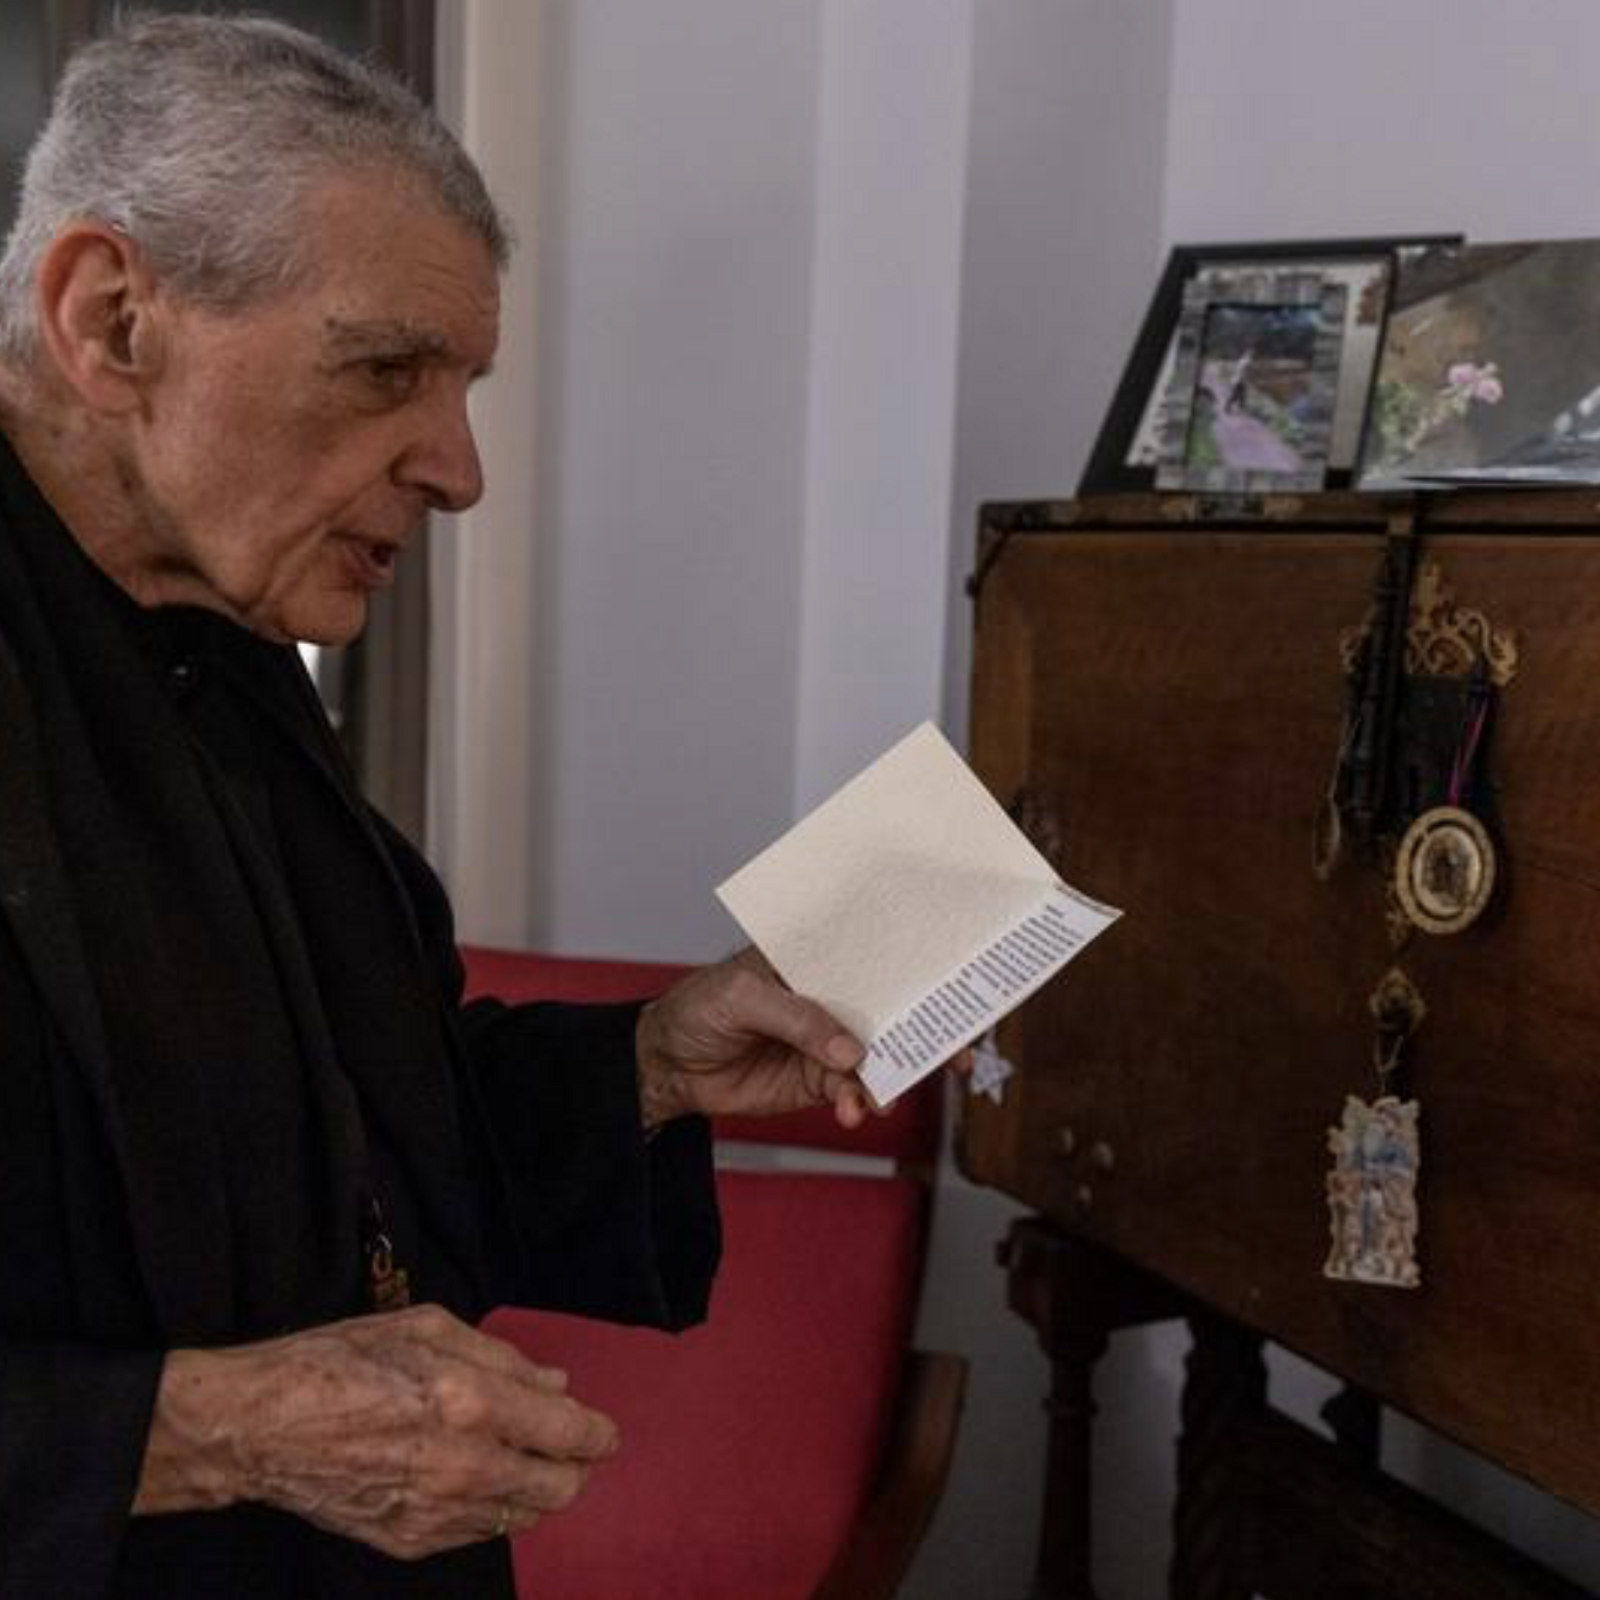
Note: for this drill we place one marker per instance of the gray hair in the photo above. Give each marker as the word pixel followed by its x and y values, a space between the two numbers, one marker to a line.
pixel 198 136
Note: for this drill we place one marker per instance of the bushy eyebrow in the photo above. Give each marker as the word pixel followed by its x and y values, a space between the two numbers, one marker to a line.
pixel 387 339
pixel 348 341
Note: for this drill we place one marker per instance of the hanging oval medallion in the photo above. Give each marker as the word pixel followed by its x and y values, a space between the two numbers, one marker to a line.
pixel 1445 870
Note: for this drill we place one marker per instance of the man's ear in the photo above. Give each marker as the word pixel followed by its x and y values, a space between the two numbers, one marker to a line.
pixel 97 315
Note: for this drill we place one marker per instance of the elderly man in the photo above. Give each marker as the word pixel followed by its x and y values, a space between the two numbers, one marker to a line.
pixel 259 1170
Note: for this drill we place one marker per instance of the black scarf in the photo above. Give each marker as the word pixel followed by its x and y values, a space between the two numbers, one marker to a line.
pixel 274 1024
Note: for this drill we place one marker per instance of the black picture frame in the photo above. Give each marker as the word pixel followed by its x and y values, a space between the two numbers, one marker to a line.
pixel 1108 470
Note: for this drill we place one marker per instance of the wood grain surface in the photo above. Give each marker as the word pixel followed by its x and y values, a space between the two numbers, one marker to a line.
pixel 1171 701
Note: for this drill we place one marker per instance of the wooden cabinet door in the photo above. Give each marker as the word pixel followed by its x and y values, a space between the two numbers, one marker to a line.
pixel 1167 705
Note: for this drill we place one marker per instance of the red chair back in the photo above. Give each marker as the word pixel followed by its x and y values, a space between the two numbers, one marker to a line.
pixel 751 1444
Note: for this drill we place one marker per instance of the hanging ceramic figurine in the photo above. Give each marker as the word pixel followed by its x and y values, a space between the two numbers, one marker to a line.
pixel 1372 1193
pixel 1372 1189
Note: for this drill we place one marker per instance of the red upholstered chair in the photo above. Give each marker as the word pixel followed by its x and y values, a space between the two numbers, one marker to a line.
pixel 795 1445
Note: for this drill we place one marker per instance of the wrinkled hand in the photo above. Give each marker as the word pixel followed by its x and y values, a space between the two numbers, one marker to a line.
pixel 411 1432
pixel 731 1040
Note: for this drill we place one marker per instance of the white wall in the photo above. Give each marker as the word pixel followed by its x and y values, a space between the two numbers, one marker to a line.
pixel 749 301
pixel 886 308
pixel 1297 118
pixel 679 181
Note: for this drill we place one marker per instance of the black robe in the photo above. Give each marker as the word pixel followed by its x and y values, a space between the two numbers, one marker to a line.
pixel 230 1024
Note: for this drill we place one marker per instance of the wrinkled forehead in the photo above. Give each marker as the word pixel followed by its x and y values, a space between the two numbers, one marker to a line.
pixel 364 213
pixel 386 263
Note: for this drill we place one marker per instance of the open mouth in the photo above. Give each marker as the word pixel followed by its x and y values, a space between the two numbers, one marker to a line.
pixel 374 561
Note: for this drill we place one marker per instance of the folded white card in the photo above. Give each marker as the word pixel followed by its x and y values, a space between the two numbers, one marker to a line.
pixel 912 907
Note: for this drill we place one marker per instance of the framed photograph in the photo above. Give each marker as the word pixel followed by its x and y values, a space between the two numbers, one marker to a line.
pixel 1131 441
pixel 1250 403
pixel 1490 372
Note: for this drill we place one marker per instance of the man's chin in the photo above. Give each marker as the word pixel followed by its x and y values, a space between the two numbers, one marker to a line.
pixel 333 622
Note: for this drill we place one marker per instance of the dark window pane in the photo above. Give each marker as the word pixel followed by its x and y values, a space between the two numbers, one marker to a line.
pixel 23 74
pixel 346 25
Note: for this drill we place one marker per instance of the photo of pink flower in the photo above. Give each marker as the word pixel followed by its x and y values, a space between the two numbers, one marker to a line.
pixel 1490 368
pixel 1473 382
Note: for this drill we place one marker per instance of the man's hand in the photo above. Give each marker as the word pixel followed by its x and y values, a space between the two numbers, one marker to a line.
pixel 411 1432
pixel 731 1040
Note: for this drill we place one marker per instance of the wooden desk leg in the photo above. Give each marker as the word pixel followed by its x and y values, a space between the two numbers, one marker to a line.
pixel 1065 1535
pixel 1225 1385
pixel 1075 1296
pixel 1046 1281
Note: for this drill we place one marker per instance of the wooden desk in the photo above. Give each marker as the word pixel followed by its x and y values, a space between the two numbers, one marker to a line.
pixel 1160 698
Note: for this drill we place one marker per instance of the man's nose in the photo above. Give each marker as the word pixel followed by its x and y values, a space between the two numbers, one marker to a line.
pixel 442 461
